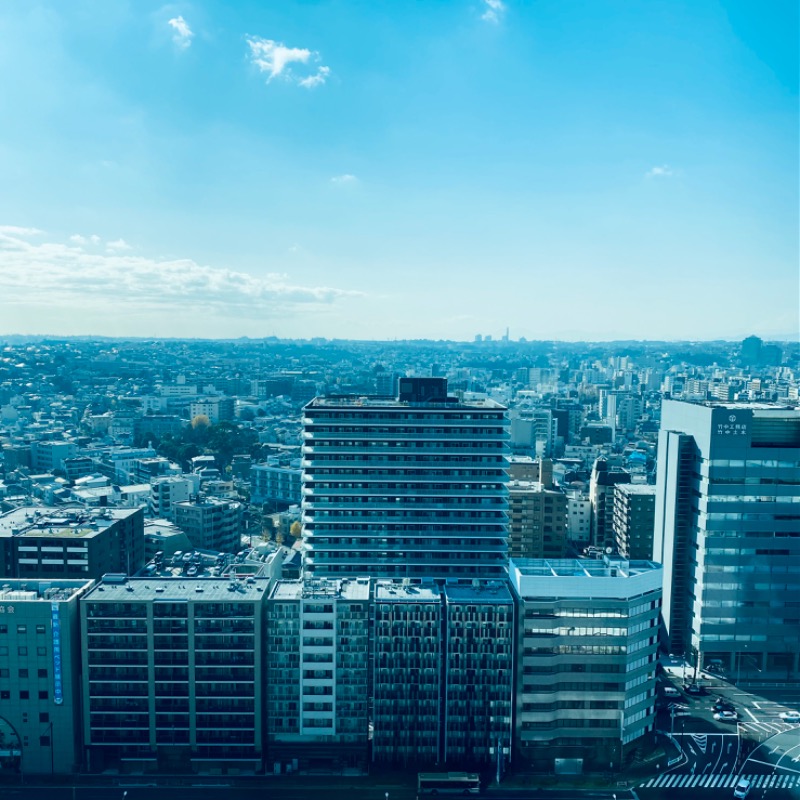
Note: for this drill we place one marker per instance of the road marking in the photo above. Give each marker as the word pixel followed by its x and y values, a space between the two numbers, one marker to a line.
pixel 748 711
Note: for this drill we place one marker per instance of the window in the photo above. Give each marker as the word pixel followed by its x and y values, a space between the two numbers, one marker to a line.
pixel 5 694
pixel 22 628
pixel 41 629
pixel 3 651
pixel 42 673
pixel 41 651
pixel 44 694
pixel 23 651
pixel 24 695
pixel 3 628
pixel 23 673
pixel 3 673
pixel 44 716
pixel 44 741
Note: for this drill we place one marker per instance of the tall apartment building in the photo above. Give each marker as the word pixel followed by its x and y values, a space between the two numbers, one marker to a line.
pixel 211 523
pixel 318 671
pixel 587 653
pixel 410 487
pixel 633 520
pixel 727 529
pixel 443 667
pixel 70 542
pixel 526 468
pixel 601 495
pixel 40 715
pixel 173 674
pixel 537 525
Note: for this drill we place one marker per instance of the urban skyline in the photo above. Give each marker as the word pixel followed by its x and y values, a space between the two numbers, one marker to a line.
pixel 337 170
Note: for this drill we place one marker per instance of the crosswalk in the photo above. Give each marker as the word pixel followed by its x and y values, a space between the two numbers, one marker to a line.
pixel 718 781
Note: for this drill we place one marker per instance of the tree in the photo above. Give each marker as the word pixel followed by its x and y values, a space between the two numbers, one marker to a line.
pixel 200 421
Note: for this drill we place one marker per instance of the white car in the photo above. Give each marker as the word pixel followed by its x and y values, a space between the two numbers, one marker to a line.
pixel 742 788
pixel 790 716
pixel 726 716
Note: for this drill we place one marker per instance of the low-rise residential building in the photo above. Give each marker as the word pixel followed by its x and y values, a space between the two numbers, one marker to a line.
pixel 70 542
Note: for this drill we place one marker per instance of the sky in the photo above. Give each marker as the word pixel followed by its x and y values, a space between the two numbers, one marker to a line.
pixel 388 169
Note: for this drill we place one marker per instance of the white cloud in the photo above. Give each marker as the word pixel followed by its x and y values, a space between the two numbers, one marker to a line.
pixel 60 275
pixel 346 178
pixel 16 230
pixel 493 11
pixel 182 36
pixel 117 244
pixel 312 81
pixel 664 171
pixel 94 239
pixel 76 238
pixel 275 59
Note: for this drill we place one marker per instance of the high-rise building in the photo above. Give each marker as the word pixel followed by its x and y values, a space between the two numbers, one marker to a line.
pixel 587 653
pixel 443 672
pixel 727 529
pixel 601 495
pixel 173 675
pixel 407 487
pixel 634 520
pixel 318 671
pixel 537 525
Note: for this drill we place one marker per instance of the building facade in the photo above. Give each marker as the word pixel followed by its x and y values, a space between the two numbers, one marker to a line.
pixel 173 674
pixel 211 523
pixel 633 520
pixel 411 487
pixel 318 671
pixel 587 654
pixel 537 525
pixel 70 542
pixel 40 714
pixel 727 529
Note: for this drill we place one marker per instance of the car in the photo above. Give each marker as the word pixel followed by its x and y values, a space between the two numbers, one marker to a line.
pixel 790 716
pixel 721 704
pixel 742 788
pixel 726 716
pixel 693 688
pixel 671 691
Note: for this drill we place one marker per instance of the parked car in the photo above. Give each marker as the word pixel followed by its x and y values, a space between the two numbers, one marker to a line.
pixel 671 691
pixel 790 716
pixel 742 788
pixel 726 716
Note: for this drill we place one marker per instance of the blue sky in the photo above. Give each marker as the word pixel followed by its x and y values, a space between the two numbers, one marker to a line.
pixel 379 170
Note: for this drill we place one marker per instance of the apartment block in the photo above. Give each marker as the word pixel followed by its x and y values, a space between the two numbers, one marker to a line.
pixel 173 674
pixel 537 525
pixel 633 520
pixel 443 667
pixel 405 487
pixel 318 671
pixel 70 542
pixel 40 714
pixel 587 654
pixel 211 523
pixel 274 484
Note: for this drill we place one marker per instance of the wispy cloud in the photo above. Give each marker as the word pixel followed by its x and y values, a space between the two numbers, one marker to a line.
pixel 318 79
pixel 664 171
pixel 182 36
pixel 346 178
pixel 118 245
pixel 16 230
pixel 493 11
pixel 275 59
pixel 55 274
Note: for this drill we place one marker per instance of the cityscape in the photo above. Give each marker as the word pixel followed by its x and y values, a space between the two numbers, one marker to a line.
pixel 400 400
